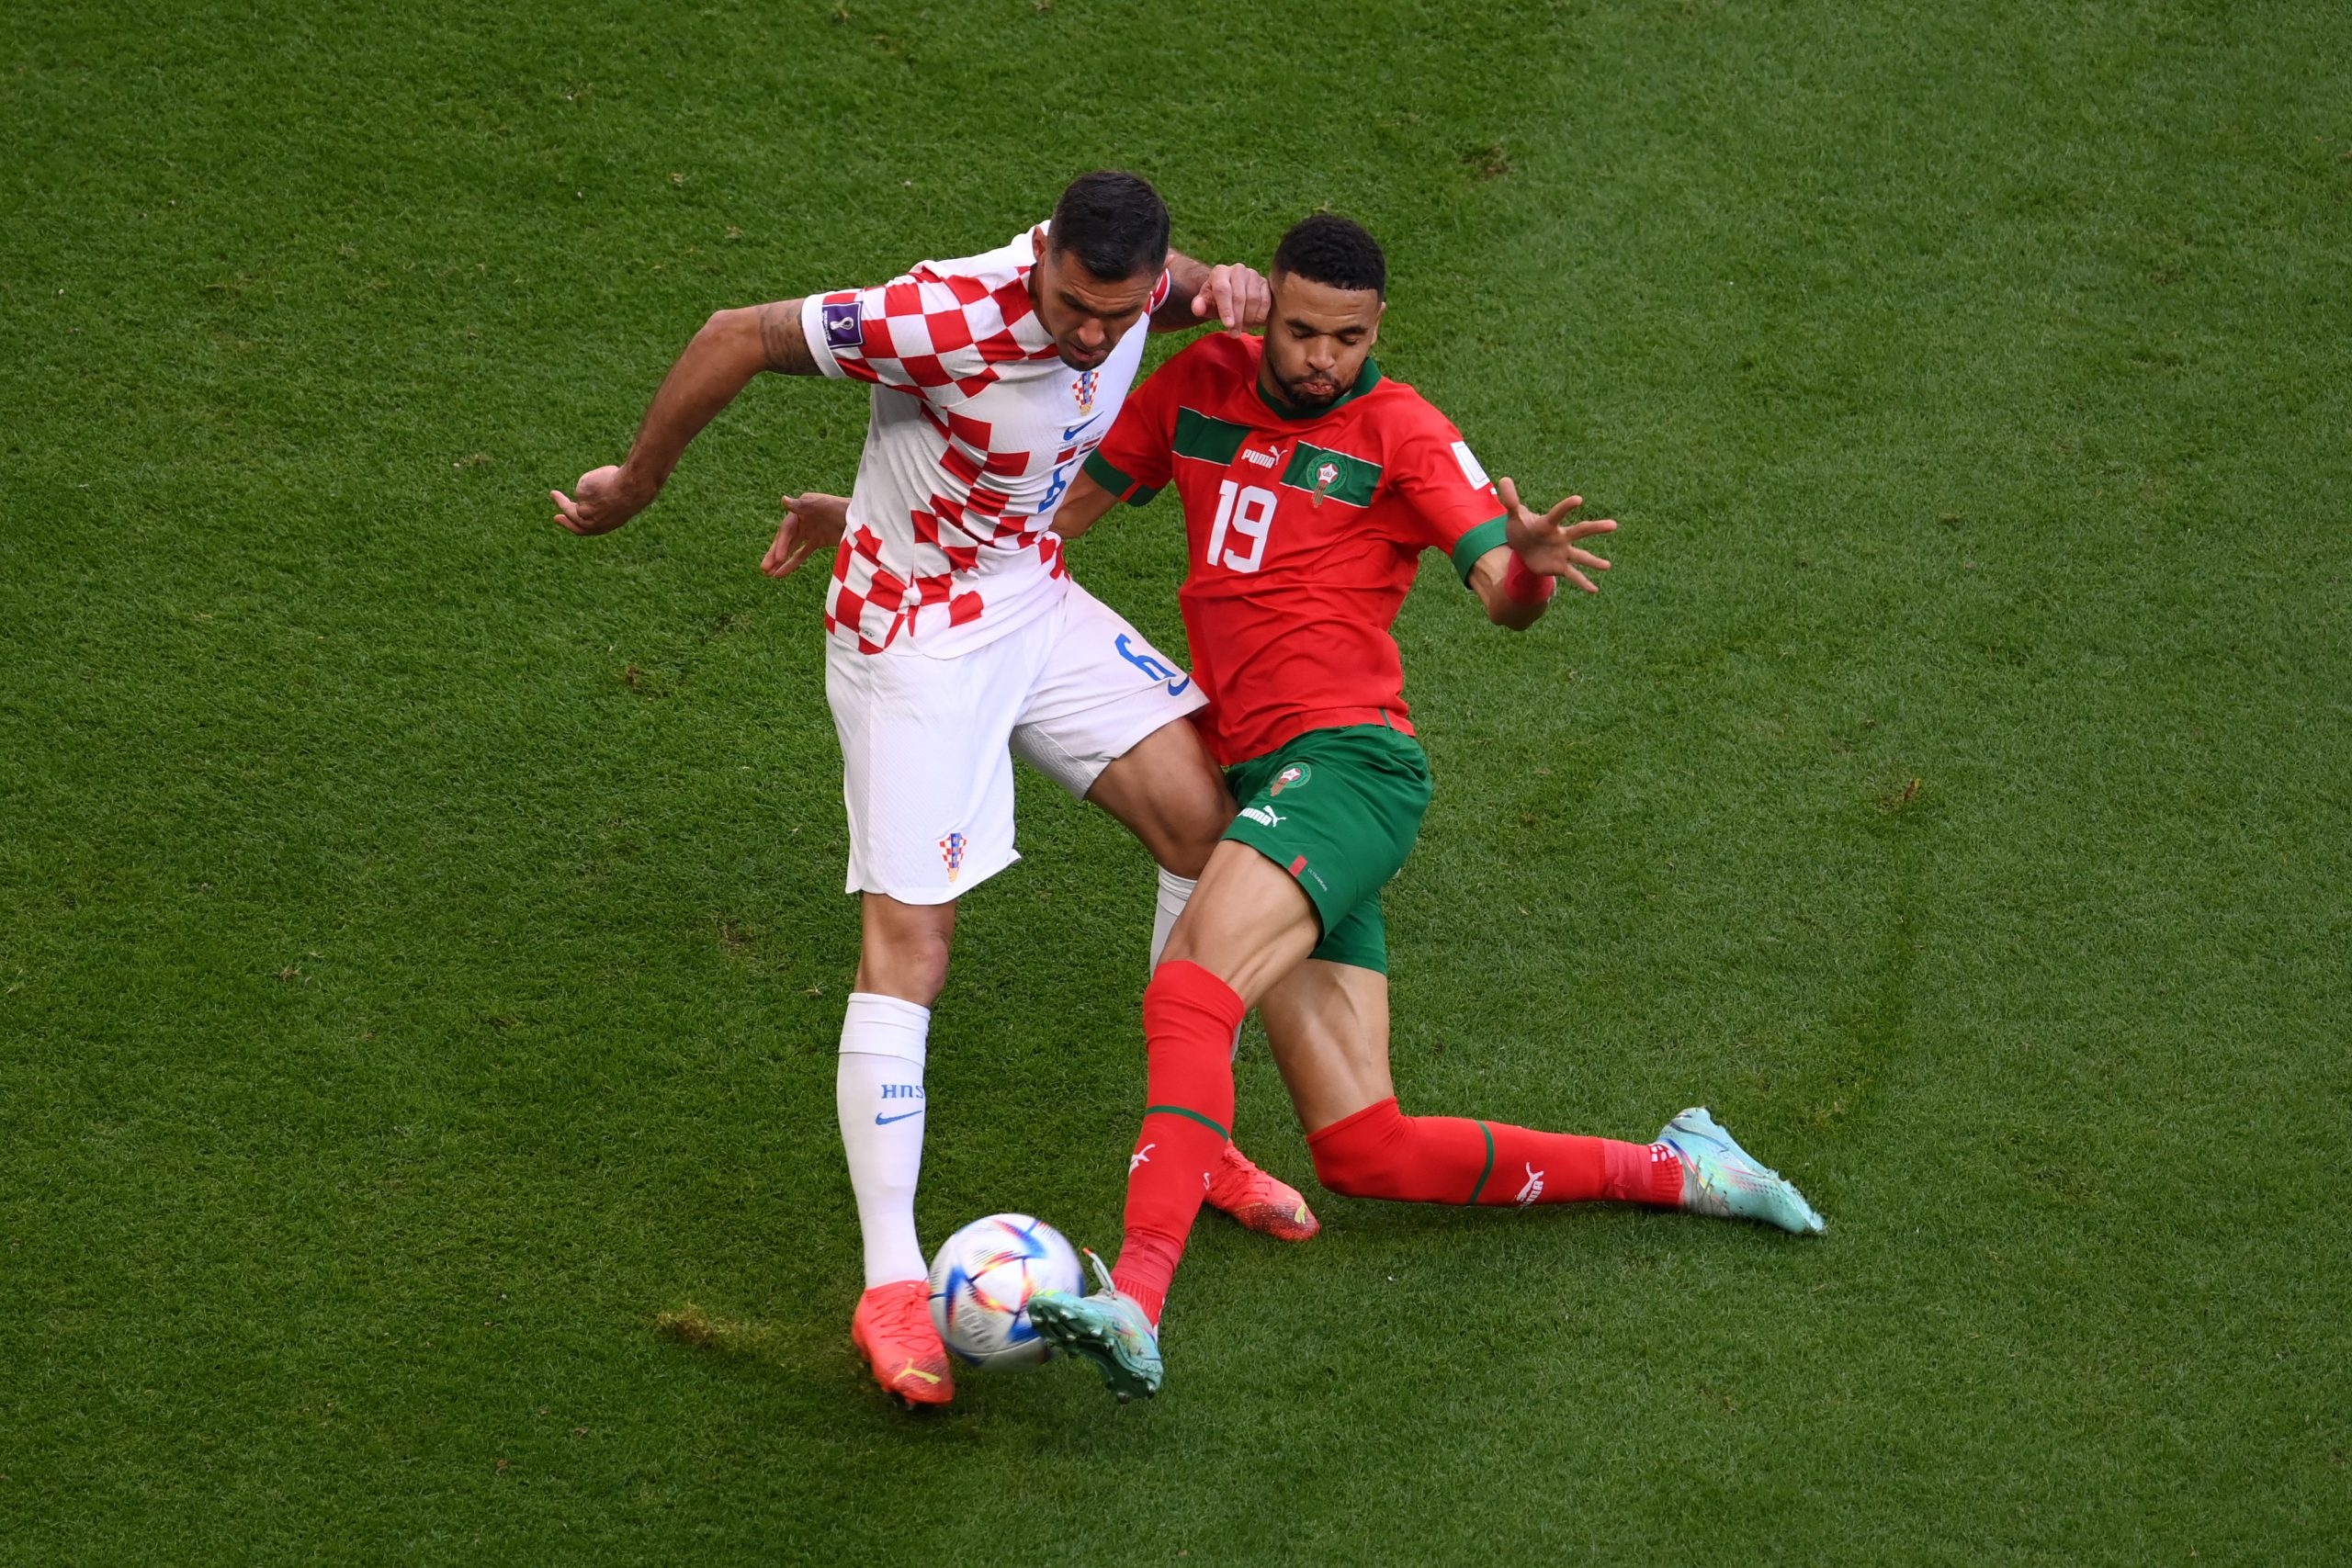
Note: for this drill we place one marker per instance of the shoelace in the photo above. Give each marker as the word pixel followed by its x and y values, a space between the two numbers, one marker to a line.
pixel 1233 1173
pixel 1102 1272
pixel 906 1313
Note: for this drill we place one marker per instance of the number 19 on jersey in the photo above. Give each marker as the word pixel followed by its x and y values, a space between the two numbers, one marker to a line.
pixel 1247 511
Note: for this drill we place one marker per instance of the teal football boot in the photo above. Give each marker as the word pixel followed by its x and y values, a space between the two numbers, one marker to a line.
pixel 1719 1177
pixel 1107 1328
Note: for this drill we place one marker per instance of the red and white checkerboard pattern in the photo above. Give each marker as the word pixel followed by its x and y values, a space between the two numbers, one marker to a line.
pixel 977 427
pixel 934 331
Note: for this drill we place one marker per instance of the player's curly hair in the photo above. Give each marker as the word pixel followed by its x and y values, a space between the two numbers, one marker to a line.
pixel 1114 222
pixel 1327 248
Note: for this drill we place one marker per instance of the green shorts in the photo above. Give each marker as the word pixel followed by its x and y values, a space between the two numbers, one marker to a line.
pixel 1339 809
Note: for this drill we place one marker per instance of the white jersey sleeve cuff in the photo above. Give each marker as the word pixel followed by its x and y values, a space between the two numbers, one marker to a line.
pixel 813 330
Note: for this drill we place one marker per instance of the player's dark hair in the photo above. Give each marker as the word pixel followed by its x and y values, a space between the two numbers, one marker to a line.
pixel 1114 222
pixel 1327 248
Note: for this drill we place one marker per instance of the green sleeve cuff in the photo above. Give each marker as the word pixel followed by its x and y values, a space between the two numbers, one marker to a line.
pixel 1477 543
pixel 1098 468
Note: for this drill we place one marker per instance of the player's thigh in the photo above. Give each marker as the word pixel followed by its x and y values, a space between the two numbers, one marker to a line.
pixel 1338 810
pixel 1247 922
pixel 1359 940
pixel 926 772
pixel 1102 692
pixel 1170 794
pixel 1328 1024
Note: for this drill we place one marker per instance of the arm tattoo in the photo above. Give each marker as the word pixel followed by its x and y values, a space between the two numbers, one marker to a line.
pixel 784 342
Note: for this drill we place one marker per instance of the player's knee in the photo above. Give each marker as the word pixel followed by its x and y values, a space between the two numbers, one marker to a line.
pixel 1185 852
pixel 1182 828
pixel 1354 1173
pixel 1170 794
pixel 1364 1155
pixel 1197 823
pixel 911 963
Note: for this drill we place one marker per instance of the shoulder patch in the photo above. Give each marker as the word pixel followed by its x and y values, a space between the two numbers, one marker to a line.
pixel 844 323
pixel 1469 461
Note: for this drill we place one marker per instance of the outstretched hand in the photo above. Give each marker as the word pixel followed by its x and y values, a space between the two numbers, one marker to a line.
pixel 606 501
pixel 812 522
pixel 1547 542
pixel 1235 295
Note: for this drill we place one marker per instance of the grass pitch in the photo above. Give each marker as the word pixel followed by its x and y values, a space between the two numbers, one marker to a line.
pixel 421 939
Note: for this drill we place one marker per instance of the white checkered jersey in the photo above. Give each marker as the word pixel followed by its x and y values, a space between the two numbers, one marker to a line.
pixel 976 429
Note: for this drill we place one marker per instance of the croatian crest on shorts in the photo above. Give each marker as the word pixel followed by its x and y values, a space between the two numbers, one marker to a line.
pixel 1290 778
pixel 951 850
pixel 1083 392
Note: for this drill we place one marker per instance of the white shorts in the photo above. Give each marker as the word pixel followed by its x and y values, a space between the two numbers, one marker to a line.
pixel 927 743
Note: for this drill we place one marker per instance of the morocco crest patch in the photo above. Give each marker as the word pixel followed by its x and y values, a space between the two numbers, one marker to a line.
pixel 1325 476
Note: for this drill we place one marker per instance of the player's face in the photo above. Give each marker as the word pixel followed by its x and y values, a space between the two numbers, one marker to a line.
pixel 1088 315
pixel 1317 339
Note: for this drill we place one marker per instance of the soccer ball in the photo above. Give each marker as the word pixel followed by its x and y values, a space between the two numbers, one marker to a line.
pixel 981 1282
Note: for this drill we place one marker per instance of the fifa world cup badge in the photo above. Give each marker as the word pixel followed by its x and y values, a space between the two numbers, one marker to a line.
pixel 1325 476
pixel 844 324
pixel 951 850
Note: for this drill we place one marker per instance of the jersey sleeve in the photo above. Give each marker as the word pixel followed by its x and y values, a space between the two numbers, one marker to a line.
pixel 1453 505
pixel 1134 460
pixel 935 337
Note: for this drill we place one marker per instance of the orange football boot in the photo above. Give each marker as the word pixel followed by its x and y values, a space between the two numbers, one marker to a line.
pixel 1257 1201
pixel 893 1329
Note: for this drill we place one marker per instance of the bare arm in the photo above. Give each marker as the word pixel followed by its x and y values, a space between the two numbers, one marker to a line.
pixel 1233 294
pixel 1547 549
pixel 1082 506
pixel 732 347
pixel 1486 582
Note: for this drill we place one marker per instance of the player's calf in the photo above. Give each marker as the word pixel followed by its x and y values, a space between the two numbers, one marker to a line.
pixel 1379 1152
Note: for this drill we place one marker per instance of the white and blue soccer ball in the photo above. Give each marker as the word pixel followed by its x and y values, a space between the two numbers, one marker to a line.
pixel 981 1284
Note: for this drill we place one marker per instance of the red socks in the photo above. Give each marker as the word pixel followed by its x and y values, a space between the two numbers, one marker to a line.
pixel 1188 1017
pixel 1381 1153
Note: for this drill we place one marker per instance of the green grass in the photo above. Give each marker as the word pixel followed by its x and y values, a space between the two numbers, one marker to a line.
pixel 420 942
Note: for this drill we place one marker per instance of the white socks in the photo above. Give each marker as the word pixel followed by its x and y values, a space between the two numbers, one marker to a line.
pixel 1174 891
pixel 878 1092
pixel 878 1095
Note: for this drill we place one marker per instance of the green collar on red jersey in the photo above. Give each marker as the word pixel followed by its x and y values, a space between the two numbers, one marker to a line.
pixel 1366 381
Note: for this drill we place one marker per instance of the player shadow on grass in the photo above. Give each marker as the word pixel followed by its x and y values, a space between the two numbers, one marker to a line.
pixel 689 1324
pixel 803 1363
pixel 1359 1222
pixel 827 1369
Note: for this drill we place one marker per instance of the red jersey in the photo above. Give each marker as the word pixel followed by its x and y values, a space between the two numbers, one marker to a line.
pixel 1303 532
